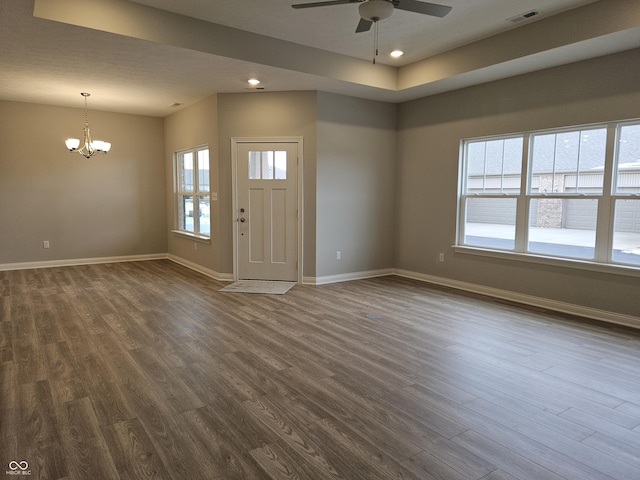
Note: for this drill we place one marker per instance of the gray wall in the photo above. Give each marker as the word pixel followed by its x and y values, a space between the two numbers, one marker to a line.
pixel 192 127
pixel 111 205
pixel 349 164
pixel 380 180
pixel 429 134
pixel 267 114
pixel 355 185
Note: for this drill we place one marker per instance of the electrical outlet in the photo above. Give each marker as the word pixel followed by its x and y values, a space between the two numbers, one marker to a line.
pixel 441 257
pixel 338 255
pixel 45 244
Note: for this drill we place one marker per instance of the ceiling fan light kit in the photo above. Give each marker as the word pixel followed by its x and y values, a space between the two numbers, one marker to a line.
pixel 375 10
pixel 372 11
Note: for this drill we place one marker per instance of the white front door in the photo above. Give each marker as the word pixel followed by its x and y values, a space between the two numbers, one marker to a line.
pixel 266 210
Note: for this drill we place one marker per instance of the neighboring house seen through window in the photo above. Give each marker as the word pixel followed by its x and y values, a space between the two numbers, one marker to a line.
pixel 570 193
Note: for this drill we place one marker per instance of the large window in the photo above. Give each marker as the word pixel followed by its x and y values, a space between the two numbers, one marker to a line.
pixel 193 192
pixel 571 193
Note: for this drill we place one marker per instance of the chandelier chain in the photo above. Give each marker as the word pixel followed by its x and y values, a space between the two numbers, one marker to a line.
pixel 86 112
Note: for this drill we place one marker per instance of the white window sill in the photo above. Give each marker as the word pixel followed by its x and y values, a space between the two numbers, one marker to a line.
pixel 192 236
pixel 589 265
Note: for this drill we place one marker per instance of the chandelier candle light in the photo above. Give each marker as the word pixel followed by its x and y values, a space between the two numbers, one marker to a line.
pixel 89 147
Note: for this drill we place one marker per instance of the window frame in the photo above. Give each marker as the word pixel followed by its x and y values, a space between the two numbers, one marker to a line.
pixel 197 193
pixel 605 220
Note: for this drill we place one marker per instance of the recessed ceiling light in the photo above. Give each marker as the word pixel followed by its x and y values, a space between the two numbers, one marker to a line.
pixel 254 81
pixel 396 53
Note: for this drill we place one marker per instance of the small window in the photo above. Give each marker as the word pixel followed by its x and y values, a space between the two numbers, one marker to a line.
pixel 268 165
pixel 568 162
pixel 628 161
pixel 563 227
pixel 193 192
pixel 494 166
pixel 491 187
pixel 626 196
pixel 626 232
pixel 491 223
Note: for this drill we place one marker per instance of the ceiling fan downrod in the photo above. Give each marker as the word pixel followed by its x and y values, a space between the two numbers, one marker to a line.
pixel 375 40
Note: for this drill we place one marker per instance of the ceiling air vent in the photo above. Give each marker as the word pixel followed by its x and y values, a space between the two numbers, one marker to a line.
pixel 524 16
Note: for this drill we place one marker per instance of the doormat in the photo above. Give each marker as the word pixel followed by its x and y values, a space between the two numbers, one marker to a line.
pixel 259 286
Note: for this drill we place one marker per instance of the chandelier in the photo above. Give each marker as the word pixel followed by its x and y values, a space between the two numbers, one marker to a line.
pixel 89 147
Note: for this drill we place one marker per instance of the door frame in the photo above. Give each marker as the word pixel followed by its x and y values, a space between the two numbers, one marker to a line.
pixel 235 141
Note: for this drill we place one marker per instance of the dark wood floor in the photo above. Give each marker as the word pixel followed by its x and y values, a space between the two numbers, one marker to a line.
pixel 144 370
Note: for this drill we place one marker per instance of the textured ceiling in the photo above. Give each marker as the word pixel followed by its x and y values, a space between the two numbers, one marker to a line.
pixel 142 57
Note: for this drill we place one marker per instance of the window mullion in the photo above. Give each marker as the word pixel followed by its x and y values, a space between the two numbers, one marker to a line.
pixel 196 190
pixel 502 170
pixel 462 220
pixel 196 213
pixel 176 190
pixel 604 225
pixel 462 186
pixel 580 142
pixel 522 207
pixel 484 174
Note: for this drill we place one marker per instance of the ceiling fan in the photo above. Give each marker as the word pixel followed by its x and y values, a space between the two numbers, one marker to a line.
pixel 372 11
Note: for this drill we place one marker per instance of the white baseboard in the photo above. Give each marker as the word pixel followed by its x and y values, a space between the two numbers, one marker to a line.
pixel 345 277
pixel 223 277
pixel 593 313
pixel 81 261
pixel 125 258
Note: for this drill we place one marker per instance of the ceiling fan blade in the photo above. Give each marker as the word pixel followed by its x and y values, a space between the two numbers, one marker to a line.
pixel 328 3
pixel 427 8
pixel 364 25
